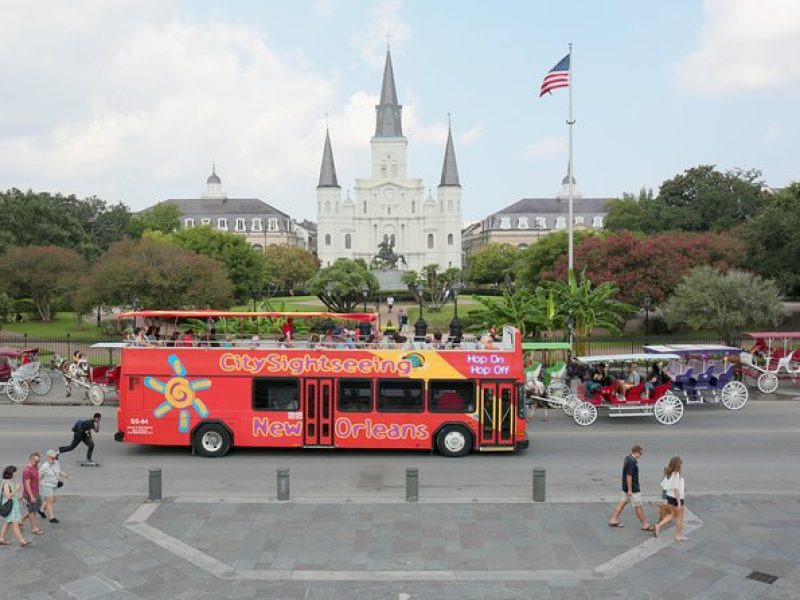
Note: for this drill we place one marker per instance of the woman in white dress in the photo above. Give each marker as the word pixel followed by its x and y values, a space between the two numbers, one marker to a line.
pixel 675 486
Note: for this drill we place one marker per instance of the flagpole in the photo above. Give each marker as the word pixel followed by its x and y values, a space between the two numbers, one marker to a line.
pixel 570 123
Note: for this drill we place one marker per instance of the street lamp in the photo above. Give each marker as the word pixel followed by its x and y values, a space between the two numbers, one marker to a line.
pixel 256 292
pixel 455 322
pixel 647 305
pixel 420 327
pixel 364 294
pixel 508 284
pixel 329 294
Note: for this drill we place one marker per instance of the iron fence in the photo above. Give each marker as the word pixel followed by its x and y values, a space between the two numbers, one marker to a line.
pixel 63 346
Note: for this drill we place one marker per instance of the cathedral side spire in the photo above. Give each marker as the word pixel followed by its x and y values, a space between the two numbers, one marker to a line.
pixel 327 171
pixel 449 166
pixel 388 119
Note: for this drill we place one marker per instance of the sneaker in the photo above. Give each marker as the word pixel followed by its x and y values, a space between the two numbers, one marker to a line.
pixel 54 520
pixel 41 514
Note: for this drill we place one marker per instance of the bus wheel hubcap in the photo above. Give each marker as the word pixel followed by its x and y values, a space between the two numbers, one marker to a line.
pixel 212 441
pixel 454 441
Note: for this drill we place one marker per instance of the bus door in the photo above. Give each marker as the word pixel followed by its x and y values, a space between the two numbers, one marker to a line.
pixel 318 412
pixel 497 415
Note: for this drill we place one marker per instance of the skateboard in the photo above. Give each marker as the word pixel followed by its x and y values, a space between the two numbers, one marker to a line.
pixel 83 463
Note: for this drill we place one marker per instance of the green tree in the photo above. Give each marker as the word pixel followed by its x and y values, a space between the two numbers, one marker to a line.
pixel 339 286
pixel 163 217
pixel 518 309
pixel 6 306
pixel 155 274
pixel 773 240
pixel 726 303
pixel 543 255
pixel 434 284
pixel 244 266
pixel 289 266
pixel 45 274
pixel 492 264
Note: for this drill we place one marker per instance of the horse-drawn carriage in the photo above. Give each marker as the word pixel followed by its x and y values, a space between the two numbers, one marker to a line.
pixel 21 373
pixel 545 374
pixel 771 360
pixel 96 382
pixel 631 400
pixel 705 373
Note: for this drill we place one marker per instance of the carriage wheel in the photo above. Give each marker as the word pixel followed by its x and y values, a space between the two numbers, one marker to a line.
pixel 767 382
pixel 557 390
pixel 96 395
pixel 42 383
pixel 734 395
pixel 17 390
pixel 570 402
pixel 585 414
pixel 668 409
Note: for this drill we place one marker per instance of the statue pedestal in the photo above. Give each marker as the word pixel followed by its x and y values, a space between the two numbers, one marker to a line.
pixel 389 279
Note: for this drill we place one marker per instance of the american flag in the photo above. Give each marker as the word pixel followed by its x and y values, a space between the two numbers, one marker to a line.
pixel 557 77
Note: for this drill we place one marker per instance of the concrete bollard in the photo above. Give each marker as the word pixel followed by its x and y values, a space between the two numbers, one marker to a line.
pixel 154 485
pixel 284 492
pixel 412 484
pixel 539 485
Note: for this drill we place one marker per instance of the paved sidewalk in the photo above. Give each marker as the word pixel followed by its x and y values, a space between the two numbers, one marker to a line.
pixel 204 548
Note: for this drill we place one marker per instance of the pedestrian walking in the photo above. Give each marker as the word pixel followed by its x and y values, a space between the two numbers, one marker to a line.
pixel 390 302
pixel 12 515
pixel 50 479
pixel 675 486
pixel 402 318
pixel 82 432
pixel 30 493
pixel 631 492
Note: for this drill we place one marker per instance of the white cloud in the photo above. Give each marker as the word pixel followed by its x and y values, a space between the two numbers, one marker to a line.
pixel 772 133
pixel 546 147
pixel 121 98
pixel 743 45
pixel 384 20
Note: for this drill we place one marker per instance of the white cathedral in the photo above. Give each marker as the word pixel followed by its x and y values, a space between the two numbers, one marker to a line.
pixel 390 206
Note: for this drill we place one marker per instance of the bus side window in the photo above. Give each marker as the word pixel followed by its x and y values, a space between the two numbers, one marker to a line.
pixel 276 394
pixel 451 396
pixel 402 395
pixel 355 395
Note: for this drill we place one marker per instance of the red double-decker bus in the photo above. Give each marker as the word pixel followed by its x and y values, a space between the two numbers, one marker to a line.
pixel 334 394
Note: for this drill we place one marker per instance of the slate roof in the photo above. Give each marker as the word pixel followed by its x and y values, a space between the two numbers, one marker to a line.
pixel 230 208
pixel 548 209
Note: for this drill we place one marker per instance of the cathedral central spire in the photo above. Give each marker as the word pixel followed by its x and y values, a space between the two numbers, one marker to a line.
pixel 388 118
pixel 327 170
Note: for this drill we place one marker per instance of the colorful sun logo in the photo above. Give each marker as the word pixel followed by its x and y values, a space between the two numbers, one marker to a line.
pixel 179 393
pixel 416 359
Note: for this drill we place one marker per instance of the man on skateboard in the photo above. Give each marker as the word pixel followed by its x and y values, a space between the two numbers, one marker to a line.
pixel 82 432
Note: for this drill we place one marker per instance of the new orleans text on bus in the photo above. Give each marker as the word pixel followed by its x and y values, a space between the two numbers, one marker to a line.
pixel 263 394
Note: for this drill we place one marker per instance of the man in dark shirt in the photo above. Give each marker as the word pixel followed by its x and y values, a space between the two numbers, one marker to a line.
pixel 82 432
pixel 631 491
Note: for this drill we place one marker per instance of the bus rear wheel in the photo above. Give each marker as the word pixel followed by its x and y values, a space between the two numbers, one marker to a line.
pixel 454 441
pixel 212 440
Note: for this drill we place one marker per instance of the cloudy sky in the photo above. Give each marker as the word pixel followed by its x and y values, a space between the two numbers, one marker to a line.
pixel 131 100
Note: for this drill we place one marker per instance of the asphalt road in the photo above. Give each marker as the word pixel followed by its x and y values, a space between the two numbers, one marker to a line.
pixel 755 450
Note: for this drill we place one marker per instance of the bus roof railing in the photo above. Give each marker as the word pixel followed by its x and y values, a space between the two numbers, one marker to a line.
pixel 222 314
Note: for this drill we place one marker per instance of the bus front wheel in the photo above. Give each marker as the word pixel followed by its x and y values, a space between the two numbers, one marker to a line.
pixel 212 440
pixel 454 441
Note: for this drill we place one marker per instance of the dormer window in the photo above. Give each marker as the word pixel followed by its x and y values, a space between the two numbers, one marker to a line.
pixel 273 224
pixel 578 220
pixel 239 225
pixel 505 222
pixel 205 221
pixel 597 222
pixel 561 222
pixel 188 223
pixel 222 223
pixel 522 223
pixel 257 225
pixel 541 223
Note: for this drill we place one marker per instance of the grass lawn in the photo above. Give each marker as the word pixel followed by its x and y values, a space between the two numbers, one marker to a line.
pixel 63 324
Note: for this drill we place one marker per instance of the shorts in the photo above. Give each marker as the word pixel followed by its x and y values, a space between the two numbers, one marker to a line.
pixel 674 501
pixel 35 505
pixel 45 491
pixel 635 498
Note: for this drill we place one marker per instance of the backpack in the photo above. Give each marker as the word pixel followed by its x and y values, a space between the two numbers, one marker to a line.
pixel 76 428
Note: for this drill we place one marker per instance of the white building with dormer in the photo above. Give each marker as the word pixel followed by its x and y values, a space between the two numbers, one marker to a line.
pixel 389 204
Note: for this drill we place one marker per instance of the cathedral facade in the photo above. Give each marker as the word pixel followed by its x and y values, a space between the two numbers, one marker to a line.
pixel 389 211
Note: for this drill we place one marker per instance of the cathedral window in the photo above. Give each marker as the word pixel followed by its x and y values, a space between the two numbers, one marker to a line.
pixel 561 222
pixel 257 225
pixel 449 206
pixel 188 223
pixel 222 224
pixel 430 241
pixel 389 210
pixel 327 208
pixel 541 223
pixel 348 241
pixel 328 239
pixel 413 207
pixel 578 220
pixel 239 226
pixel 383 171
pixel 505 222
pixel 272 224
pixel 365 208
pixel 394 169
pixel 205 221
pixel 597 222
pixel 449 239
pixel 522 223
